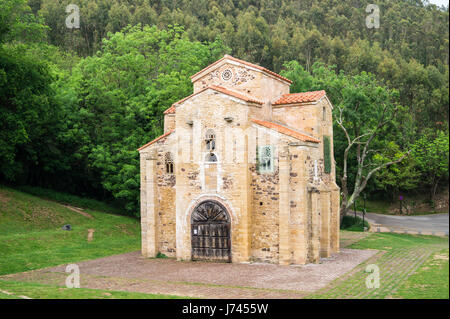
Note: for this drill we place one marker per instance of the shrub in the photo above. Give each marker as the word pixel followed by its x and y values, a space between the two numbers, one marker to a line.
pixel 354 224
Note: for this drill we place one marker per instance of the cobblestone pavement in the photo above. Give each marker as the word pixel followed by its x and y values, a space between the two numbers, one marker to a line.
pixel 132 272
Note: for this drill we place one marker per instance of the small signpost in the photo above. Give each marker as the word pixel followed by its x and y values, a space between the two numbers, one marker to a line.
pixel 400 198
pixel 364 212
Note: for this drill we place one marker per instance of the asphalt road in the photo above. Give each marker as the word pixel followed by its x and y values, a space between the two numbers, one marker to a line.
pixel 434 222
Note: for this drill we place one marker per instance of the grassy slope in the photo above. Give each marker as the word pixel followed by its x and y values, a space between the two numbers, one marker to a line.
pixel 31 236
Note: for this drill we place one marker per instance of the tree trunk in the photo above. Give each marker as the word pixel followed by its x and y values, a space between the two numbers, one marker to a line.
pixel 433 193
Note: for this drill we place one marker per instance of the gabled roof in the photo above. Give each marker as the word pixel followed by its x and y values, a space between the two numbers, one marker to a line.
pixel 171 110
pixel 286 131
pixel 229 57
pixel 156 139
pixel 303 97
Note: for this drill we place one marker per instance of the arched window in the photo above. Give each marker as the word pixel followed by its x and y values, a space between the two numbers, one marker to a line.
pixel 168 159
pixel 210 139
pixel 211 157
pixel 324 114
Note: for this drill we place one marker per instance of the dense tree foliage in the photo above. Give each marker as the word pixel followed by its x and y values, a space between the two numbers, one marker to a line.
pixel 76 103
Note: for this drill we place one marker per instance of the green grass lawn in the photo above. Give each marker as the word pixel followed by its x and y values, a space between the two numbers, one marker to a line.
pixel 40 291
pixel 391 241
pixel 31 236
pixel 405 271
pixel 430 281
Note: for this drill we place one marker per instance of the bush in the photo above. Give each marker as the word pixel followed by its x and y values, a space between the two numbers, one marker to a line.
pixel 354 224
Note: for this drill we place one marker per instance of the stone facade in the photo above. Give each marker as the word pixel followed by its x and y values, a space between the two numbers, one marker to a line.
pixel 243 142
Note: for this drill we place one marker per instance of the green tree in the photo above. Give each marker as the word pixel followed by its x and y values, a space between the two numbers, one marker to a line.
pixel 30 117
pixel 17 22
pixel 403 176
pixel 431 154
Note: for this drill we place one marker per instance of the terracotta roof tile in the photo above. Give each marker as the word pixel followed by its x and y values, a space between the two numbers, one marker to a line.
pixel 156 139
pixel 300 97
pixel 286 131
pixel 172 110
pixel 246 63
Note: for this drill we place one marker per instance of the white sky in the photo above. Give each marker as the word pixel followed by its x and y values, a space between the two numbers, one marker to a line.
pixel 439 2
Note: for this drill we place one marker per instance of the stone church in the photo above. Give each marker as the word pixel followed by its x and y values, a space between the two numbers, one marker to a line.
pixel 244 172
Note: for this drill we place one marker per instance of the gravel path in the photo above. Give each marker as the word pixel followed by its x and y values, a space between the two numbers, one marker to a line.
pixel 308 277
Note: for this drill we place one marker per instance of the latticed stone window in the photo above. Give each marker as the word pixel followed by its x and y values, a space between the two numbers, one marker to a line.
pixel 168 159
pixel 210 142
pixel 210 139
pixel 265 159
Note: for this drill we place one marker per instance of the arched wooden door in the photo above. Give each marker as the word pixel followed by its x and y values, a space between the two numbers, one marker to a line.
pixel 210 232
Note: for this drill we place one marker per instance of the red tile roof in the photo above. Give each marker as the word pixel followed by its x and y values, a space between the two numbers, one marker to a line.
pixel 286 131
pixel 171 110
pixel 246 63
pixel 156 139
pixel 300 97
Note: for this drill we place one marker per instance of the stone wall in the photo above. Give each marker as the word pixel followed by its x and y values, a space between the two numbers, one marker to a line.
pixel 169 122
pixel 166 206
pixel 264 216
